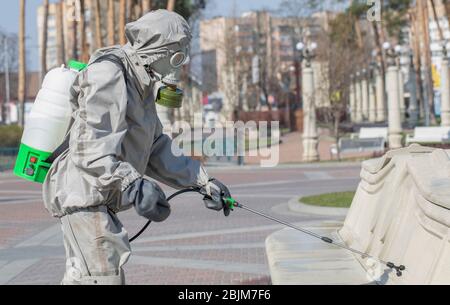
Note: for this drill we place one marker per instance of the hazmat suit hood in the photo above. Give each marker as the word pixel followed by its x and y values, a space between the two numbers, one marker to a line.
pixel 150 39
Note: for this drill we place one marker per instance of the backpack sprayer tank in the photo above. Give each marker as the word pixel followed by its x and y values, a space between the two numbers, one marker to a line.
pixel 47 124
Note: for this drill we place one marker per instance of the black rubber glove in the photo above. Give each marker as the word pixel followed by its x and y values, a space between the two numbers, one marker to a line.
pixel 215 192
pixel 148 200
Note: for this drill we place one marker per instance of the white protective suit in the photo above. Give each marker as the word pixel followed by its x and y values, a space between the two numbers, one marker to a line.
pixel 115 139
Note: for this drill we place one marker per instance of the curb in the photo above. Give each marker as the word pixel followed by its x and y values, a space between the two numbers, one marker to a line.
pixel 296 206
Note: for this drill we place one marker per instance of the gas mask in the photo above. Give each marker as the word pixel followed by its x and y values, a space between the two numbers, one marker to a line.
pixel 168 70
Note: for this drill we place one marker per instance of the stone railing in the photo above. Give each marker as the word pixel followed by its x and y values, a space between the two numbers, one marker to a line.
pixel 401 213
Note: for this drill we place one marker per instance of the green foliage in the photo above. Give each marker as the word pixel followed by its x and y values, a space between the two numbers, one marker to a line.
pixel 342 31
pixel 10 136
pixel 338 200
pixel 394 15
pixel 358 8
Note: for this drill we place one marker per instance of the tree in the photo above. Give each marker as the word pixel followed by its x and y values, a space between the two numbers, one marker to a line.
pixel 111 22
pixel 95 6
pixel 423 20
pixel 60 43
pixel 123 21
pixel 22 69
pixel 44 40
pixel 338 47
pixel 73 32
pixel 146 6
pixel 170 5
pixel 82 24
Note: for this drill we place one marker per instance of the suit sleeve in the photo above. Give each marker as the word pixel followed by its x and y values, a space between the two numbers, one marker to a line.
pixel 177 172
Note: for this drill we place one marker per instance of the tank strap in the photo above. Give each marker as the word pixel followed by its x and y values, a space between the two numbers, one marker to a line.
pixel 59 151
pixel 65 145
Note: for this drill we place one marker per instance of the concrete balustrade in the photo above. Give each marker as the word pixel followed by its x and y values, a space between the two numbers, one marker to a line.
pixel 372 103
pixel 359 104
pixel 445 93
pixel 365 95
pixel 352 97
pixel 381 96
pixel 394 115
pixel 310 135
pixel 401 95
pixel 401 213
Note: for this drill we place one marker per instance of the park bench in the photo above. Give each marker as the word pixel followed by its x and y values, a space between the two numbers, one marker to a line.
pixel 372 133
pixel 368 140
pixel 430 135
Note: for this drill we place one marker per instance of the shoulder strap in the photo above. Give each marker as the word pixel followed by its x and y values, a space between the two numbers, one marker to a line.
pixel 65 145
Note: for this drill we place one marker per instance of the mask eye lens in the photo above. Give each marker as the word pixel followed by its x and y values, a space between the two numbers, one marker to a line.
pixel 177 59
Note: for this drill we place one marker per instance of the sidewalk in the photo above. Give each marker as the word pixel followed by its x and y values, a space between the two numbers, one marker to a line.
pixel 296 258
pixel 291 149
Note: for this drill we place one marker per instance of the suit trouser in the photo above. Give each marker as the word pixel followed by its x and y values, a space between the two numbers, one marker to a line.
pixel 96 247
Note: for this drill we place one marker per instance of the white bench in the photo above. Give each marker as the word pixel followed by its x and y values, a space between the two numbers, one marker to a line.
pixel 430 135
pixel 372 133
pixel 368 140
pixel 346 145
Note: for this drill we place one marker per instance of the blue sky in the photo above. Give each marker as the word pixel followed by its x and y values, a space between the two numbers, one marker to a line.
pixel 9 16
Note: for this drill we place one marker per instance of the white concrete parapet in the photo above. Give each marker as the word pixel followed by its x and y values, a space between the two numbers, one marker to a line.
pixel 401 213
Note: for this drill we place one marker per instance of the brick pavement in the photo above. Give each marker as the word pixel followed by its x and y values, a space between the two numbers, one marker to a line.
pixel 195 245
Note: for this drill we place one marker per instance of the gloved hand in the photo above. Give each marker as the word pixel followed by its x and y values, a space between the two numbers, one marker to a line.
pixel 215 192
pixel 148 200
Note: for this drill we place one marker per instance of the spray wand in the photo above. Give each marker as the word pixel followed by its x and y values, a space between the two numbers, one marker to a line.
pixel 232 204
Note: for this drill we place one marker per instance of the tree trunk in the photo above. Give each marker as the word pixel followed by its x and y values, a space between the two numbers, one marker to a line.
pixel 130 10
pixel 146 6
pixel 60 45
pixel 358 33
pixel 416 57
pixel 83 42
pixel 44 41
pixel 436 19
pixel 424 18
pixel 98 25
pixel 111 23
pixel 73 31
pixel 380 58
pixel 122 21
pixel 22 69
pixel 137 10
pixel 171 5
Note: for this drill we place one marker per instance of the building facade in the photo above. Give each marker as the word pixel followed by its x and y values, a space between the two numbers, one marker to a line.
pixel 249 59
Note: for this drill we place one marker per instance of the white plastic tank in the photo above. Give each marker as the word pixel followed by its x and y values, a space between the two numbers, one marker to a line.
pixel 49 120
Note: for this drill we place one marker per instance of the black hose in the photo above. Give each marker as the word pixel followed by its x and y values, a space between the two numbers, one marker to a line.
pixel 191 190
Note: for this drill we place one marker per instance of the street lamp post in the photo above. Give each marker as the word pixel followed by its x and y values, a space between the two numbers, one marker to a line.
pixel 445 89
pixel 393 95
pixel 310 137
pixel 365 94
pixel 401 86
pixel 352 96
pixel 358 97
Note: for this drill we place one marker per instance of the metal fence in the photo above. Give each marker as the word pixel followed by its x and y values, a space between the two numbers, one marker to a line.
pixel 7 158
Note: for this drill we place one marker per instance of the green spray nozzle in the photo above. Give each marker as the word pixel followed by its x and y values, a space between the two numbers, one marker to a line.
pixel 231 202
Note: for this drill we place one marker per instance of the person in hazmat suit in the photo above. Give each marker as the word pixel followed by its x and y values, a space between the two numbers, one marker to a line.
pixel 115 141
